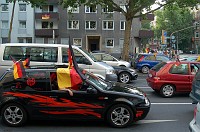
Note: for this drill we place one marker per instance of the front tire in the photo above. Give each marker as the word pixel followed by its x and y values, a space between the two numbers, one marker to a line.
pixel 124 77
pixel 145 69
pixel 120 116
pixel 167 90
pixel 14 115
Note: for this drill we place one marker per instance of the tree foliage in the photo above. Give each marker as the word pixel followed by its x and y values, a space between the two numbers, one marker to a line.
pixel 134 8
pixel 173 18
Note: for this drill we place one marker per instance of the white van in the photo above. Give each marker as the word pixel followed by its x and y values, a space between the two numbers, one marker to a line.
pixel 48 54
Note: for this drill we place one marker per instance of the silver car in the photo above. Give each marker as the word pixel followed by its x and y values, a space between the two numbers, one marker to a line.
pixel 195 123
pixel 110 60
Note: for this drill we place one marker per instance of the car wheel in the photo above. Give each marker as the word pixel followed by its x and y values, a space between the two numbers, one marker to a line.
pixel 120 116
pixel 124 77
pixel 14 115
pixel 145 69
pixel 167 90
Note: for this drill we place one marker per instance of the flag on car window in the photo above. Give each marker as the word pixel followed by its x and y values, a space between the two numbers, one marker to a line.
pixel 19 71
pixel 18 67
pixel 70 77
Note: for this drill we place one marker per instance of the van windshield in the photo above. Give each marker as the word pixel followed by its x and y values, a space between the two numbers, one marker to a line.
pixel 90 55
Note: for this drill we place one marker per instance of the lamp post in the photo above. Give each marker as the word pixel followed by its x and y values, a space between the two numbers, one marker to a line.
pixel 177 36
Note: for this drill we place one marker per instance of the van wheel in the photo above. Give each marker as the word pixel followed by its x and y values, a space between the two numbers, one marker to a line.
pixel 167 90
pixel 145 69
pixel 120 115
pixel 14 115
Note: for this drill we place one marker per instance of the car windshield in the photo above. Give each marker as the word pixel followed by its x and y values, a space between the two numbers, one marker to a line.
pixel 100 83
pixel 90 55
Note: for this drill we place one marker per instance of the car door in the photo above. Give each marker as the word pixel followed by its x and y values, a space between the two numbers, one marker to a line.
pixel 83 104
pixel 149 61
pixel 179 75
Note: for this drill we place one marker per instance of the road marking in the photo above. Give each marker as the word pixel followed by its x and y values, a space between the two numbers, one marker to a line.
pixel 171 103
pixel 143 87
pixel 153 121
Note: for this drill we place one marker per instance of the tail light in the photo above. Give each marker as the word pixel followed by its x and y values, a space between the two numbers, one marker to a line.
pixel 195 112
pixel 141 58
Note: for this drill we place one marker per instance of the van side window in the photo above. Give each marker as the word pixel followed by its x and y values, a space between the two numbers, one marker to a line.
pixel 41 54
pixel 80 58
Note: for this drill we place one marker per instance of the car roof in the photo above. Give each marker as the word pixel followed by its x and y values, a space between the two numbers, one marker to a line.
pixel 183 62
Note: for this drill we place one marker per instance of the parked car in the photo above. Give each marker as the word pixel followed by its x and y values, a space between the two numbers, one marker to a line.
pixel 37 97
pixel 168 78
pixel 194 125
pixel 144 62
pixel 125 74
pixel 195 93
pixel 188 57
pixel 109 59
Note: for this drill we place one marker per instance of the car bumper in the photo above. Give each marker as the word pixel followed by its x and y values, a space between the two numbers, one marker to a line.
pixel 155 85
pixel 134 76
pixel 141 112
pixel 193 127
pixel 111 77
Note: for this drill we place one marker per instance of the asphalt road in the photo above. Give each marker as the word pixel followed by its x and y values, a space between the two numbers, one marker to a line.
pixel 166 115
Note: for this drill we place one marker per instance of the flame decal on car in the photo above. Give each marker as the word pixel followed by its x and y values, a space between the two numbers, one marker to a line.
pixel 52 102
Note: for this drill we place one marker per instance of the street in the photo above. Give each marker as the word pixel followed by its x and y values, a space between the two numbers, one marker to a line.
pixel 166 115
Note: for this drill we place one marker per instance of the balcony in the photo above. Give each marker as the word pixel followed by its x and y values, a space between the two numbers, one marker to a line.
pixel 47 15
pixel 46 32
pixel 148 17
pixel 146 33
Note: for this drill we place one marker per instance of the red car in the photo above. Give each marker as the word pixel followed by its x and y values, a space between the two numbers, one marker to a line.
pixel 168 78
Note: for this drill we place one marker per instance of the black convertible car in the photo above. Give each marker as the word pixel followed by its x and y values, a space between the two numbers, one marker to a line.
pixel 37 97
pixel 125 74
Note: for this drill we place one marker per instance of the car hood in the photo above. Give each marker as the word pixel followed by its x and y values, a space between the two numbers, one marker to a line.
pixel 125 88
pixel 105 65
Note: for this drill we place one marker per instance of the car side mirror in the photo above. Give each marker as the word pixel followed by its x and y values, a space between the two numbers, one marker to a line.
pixel 91 91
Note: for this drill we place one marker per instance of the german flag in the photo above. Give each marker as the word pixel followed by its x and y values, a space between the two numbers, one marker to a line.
pixel 19 71
pixel 26 63
pixel 70 77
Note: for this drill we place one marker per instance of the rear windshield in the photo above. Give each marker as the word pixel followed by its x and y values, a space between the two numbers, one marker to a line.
pixel 158 66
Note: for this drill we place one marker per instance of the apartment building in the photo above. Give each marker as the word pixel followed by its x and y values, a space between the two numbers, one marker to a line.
pixel 92 28
pixel 23 22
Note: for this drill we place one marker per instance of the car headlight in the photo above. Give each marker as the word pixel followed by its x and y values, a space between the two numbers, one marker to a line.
pixel 131 70
pixel 110 71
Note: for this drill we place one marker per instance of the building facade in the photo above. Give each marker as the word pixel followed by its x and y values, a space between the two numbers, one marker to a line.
pixel 23 22
pixel 92 28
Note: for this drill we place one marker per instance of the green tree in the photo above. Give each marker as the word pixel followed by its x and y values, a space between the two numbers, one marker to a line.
pixel 134 8
pixel 173 18
pixel 34 3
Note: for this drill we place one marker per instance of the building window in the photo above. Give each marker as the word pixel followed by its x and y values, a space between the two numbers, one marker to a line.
pixel 90 25
pixel 22 24
pixel 73 9
pixel 73 24
pixel 108 25
pixel 77 42
pixel 22 7
pixel 90 9
pixel 107 9
pixel 196 34
pixel 122 25
pixel 47 8
pixel 4 24
pixel 48 25
pixel 109 42
pixel 4 40
pixel 4 7
pixel 65 41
